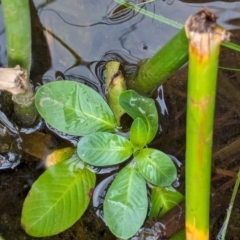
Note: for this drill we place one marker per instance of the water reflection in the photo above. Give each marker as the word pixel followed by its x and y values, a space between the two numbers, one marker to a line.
pixel 118 14
pixel 113 28
pixel 128 64
pixel 10 143
pixel 97 33
pixel 71 139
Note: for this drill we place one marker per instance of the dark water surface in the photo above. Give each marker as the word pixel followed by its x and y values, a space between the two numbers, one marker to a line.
pixel 73 39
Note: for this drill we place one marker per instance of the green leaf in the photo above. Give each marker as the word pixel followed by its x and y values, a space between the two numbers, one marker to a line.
pixel 58 198
pixel 136 105
pixel 138 133
pixel 125 205
pixel 74 108
pixel 103 149
pixel 156 167
pixel 163 200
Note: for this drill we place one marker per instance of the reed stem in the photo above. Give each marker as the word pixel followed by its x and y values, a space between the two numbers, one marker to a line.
pixel 205 38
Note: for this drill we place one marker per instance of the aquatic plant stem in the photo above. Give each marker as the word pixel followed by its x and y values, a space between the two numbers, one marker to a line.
pixel 155 71
pixel 205 38
pixel 115 86
pixel 18 34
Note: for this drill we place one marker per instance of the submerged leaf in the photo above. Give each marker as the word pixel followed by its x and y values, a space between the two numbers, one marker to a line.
pixel 163 199
pixel 136 105
pixel 59 155
pixel 103 149
pixel 126 203
pixel 156 167
pixel 58 198
pixel 74 108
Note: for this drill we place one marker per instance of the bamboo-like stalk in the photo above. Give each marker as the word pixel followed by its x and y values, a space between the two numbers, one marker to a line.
pixel 155 71
pixel 205 38
pixel 18 34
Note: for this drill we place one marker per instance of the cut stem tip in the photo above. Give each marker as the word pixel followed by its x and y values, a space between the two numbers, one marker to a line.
pixel 201 29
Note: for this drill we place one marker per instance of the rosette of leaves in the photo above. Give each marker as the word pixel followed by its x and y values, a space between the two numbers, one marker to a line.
pixel 126 203
pixel 62 193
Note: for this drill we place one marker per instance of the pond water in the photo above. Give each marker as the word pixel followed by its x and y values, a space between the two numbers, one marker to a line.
pixel 73 39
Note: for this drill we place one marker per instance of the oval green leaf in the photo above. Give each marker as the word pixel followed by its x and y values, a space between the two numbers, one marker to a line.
pixel 138 133
pixel 125 205
pixel 156 167
pixel 58 198
pixel 136 105
pixel 163 199
pixel 74 108
pixel 103 149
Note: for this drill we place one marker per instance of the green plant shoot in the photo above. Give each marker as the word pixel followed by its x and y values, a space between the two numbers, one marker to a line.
pixel 205 38
pixel 76 109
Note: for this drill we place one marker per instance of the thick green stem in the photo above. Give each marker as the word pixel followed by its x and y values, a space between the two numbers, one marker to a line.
pixel 18 34
pixel 205 39
pixel 155 71
pixel 25 115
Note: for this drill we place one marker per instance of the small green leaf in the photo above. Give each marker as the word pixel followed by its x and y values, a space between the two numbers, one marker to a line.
pixel 138 133
pixel 125 205
pixel 74 108
pixel 136 105
pixel 163 199
pixel 58 198
pixel 156 167
pixel 103 149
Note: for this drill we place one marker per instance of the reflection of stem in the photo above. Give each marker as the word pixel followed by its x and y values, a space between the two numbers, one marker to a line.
pixel 150 14
pixel 205 38
pixel 48 2
pixel 76 56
